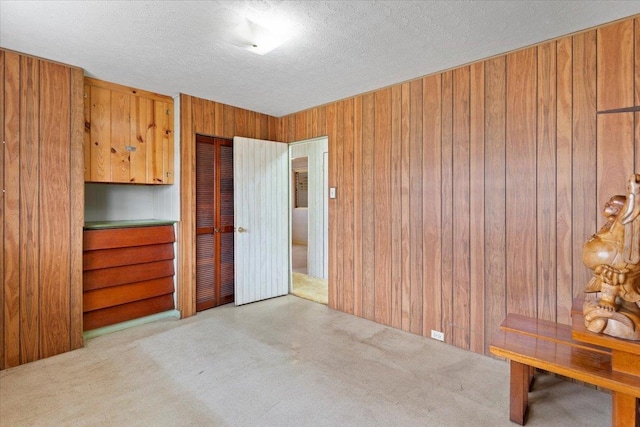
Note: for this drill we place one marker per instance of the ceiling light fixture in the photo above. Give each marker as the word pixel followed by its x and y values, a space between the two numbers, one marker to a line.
pixel 258 39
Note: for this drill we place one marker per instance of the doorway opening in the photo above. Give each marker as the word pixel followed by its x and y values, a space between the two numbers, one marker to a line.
pixel 309 219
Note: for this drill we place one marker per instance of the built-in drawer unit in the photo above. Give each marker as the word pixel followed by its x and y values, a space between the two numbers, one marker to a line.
pixel 127 273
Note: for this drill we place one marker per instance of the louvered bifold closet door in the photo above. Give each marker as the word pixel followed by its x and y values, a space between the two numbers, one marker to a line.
pixel 214 222
pixel 226 222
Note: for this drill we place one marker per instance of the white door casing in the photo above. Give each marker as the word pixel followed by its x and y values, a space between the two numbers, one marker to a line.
pixel 261 202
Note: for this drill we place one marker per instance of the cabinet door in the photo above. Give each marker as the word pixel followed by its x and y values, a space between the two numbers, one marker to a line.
pixel 160 158
pixel 142 138
pixel 121 149
pixel 128 135
pixel 100 131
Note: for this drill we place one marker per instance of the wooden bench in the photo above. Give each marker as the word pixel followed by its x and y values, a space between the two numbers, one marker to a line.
pixel 533 343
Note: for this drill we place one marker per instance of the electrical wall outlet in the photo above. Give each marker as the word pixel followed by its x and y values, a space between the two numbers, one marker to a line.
pixel 437 335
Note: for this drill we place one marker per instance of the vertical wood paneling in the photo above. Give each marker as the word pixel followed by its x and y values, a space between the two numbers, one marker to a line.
pixel 333 229
pixel 415 202
pixel 341 201
pixel 396 207
pixel 461 210
pixel 229 121
pixel 415 205
pixel 11 210
pixel 218 117
pixel 368 204
pixel 584 153
pixel 564 141
pixel 55 229
pixel 252 124
pixel 615 86
pixel 447 206
pixel 199 113
pixel 636 73
pixel 76 182
pixel 357 199
pixel 382 213
pixel 636 49
pixel 495 191
pixel 29 208
pixel 615 66
pixel 42 210
pixel 474 190
pixel 637 141
pixel 405 246
pixel 432 203
pixel 186 300
pixel 301 126
pixel 347 209
pixel 241 124
pixel 2 209
pixel 521 182
pixel 615 154
pixel 291 128
pixel 208 117
pixel 546 185
pixel 476 203
pixel 322 120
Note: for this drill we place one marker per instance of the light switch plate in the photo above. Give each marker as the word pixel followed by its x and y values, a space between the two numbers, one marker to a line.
pixel 332 192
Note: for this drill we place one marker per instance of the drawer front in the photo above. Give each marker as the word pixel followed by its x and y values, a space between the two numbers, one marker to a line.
pixel 115 276
pixel 121 313
pixel 126 237
pixel 104 258
pixel 116 295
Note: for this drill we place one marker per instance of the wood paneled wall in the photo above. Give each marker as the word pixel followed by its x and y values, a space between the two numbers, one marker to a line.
pixel 42 210
pixel 199 116
pixel 468 194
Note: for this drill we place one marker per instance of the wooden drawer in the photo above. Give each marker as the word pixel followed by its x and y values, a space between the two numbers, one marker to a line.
pixel 126 237
pixel 104 258
pixel 115 295
pixel 123 312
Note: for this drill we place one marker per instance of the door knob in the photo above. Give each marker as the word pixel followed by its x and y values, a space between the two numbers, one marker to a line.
pixel 241 230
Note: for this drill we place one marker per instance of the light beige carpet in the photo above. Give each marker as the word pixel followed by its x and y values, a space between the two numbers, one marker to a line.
pixel 311 288
pixel 284 362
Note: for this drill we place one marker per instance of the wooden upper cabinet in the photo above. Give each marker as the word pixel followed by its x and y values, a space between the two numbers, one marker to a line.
pixel 128 134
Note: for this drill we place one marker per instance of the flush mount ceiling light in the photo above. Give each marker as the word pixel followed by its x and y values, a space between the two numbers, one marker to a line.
pixel 256 38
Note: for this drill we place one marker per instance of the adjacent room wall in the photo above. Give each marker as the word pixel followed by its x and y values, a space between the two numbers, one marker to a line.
pixel 468 194
pixel 314 150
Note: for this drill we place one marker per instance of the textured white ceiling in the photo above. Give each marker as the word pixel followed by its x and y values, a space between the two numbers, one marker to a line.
pixel 341 48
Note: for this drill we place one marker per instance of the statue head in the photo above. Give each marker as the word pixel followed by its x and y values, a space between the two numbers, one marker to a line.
pixel 614 206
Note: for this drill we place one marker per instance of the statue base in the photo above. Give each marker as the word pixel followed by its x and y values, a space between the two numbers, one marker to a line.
pixel 623 323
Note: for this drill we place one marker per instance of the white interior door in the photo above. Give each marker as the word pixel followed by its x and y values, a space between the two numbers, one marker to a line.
pixel 261 192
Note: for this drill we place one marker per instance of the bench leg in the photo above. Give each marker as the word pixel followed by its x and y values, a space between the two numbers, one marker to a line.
pixel 519 392
pixel 625 410
pixel 531 377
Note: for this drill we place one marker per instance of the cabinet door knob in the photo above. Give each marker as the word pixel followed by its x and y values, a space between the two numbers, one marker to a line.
pixel 241 230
